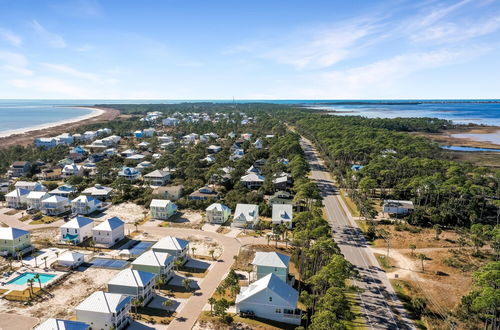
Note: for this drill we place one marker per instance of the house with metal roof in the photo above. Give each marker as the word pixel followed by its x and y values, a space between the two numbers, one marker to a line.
pixel 59 324
pixel 65 190
pixel 70 259
pixel 14 240
pixel 136 283
pixel 84 204
pixel 76 230
pixel 105 310
pixel 246 215
pixel 129 173
pixel 55 205
pixel 266 263
pixel 98 191
pixel 270 298
pixel 282 214
pixel 172 245
pixel 16 199
pixel 157 178
pixel 34 199
pixel 30 185
pixel 217 213
pixel 162 209
pixel 252 180
pixel 109 232
pixel 159 263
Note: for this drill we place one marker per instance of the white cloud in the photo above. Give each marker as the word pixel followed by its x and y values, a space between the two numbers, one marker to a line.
pixel 51 86
pixel 70 71
pixel 52 39
pixel 14 63
pixel 11 37
pixel 84 48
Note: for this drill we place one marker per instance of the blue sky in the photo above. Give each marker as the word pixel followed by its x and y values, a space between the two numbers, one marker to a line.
pixel 181 49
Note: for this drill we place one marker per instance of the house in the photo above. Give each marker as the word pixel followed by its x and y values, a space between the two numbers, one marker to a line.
pixel 14 240
pixel 214 149
pixel 76 230
pixel 203 194
pixel 162 209
pixel 252 180
pixel 172 245
pixel 135 283
pixel 159 263
pixel 65 138
pixel 281 197
pixel 19 169
pixel 30 185
pixel 217 213
pixel 356 167
pixel 128 153
pixel 71 259
pixel 72 169
pixel 109 232
pixel 129 173
pixel 58 324
pixel 105 310
pixel 270 298
pixel 283 213
pixel 143 145
pixel 258 144
pixel 98 191
pixel 46 143
pixel 50 174
pixel 16 199
pixel 266 263
pixel 55 205
pixel 63 191
pixel 89 135
pixel 246 215
pixel 282 182
pixel 34 199
pixel 172 193
pixel 170 121
pixel 157 178
pixel 231 135
pixel 398 207
pixel 149 132
pixel 142 166
pixel 84 204
pixel 209 159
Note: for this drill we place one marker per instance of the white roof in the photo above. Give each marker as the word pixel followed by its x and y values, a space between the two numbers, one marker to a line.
pixel 275 284
pixel 97 190
pixel 58 324
pixel 152 258
pixel 160 203
pixel 77 222
pixel 132 278
pixel 71 256
pixel 86 199
pixel 249 211
pixel 282 212
pixel 18 192
pixel 110 224
pixel 171 243
pixel 271 259
pixel 55 199
pixel 36 194
pixel 157 174
pixel 218 206
pixel 252 177
pixel 104 302
pixel 9 233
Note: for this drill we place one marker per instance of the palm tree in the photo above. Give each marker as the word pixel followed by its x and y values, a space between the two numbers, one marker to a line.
pixel 211 301
pixel 187 284
pixel 177 263
pixel 136 303
pixel 168 303
pixel 136 224
pixel 37 277
pixel 192 250
pixel 45 261
pixel 9 259
pixel 412 247
pixel 422 257
pixel 211 252
pixel 30 282
pixel 159 281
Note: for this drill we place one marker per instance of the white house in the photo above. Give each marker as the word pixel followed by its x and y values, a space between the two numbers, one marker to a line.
pixel 70 259
pixel 16 199
pixel 157 178
pixel 258 144
pixel 214 149
pixel 98 191
pixel 77 230
pixel 34 199
pixel 159 263
pixel 72 169
pixel 104 310
pixel 129 173
pixel 55 205
pixel 45 142
pixel 109 232
pixel 65 138
pixel 89 135
pixel 283 213
pixel 170 121
pixel 246 215
pixel 398 207
pixel 252 180
pixel 270 298
pixel 64 190
pixel 136 283
pixel 162 209
pixel 172 245
pixel 30 185
pixel 84 204
pixel 59 324
pixel 217 213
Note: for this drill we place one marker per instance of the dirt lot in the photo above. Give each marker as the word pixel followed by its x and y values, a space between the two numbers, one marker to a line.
pixel 128 212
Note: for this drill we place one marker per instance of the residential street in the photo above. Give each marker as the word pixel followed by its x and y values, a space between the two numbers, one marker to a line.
pixel 379 303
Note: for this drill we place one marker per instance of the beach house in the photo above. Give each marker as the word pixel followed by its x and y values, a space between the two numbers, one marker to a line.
pixel 217 213
pixel 162 209
pixel 246 215
pixel 172 245
pixel 204 193
pixel 76 230
pixel 281 197
pixel 252 180
pixel 397 207
pixel 30 185
pixel 84 204
pixel 59 324
pixel 34 199
pixel 109 232
pixel 105 310
pixel 55 205
pixel 16 199
pixel 135 283
pixel 72 169
pixel 159 263
pixel 14 240
pixel 169 192
pixel 129 173
pixel 19 169
pixel 266 263
pixel 270 298
pixel 63 191
pixel 46 143
pixel 283 214
pixel 157 178
pixel 98 191
pixel 70 259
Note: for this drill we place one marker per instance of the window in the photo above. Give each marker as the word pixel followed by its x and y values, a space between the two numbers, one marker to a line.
pixel 278 311
pixel 270 298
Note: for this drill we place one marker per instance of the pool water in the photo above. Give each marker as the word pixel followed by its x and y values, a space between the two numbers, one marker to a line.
pixel 23 278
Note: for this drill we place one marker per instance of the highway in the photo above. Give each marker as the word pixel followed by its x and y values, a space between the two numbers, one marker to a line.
pixel 380 305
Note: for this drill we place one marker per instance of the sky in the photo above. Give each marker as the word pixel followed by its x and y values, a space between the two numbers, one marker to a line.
pixel 280 49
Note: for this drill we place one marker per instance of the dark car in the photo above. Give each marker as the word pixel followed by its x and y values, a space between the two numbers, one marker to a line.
pixel 247 314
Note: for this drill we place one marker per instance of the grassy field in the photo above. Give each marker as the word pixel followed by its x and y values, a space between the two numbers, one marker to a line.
pixel 350 204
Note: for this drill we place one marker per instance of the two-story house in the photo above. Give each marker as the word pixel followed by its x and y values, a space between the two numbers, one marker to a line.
pixel 217 213
pixel 162 209
pixel 76 230
pixel 109 232
pixel 105 310
pixel 159 263
pixel 135 283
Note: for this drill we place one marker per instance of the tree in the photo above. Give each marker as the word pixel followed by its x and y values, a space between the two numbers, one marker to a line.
pixel 187 284
pixel 178 263
pixel 45 261
pixel 136 303
pixel 193 249
pixel 438 230
pixel 412 247
pixel 30 283
pixel 37 277
pixel 211 252
pixel 220 307
pixel 168 303
pixel 159 281
pixel 422 258
pixel 211 301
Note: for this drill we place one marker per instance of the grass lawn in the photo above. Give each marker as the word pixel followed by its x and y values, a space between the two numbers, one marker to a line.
pixel 12 212
pixel 383 261
pixel 350 204
pixel 176 291
pixel 44 220
pixel 259 324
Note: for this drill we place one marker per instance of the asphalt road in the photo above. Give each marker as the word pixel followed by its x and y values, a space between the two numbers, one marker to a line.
pixel 381 307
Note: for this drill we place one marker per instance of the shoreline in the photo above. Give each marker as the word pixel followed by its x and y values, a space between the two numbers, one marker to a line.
pixel 450 138
pixel 25 136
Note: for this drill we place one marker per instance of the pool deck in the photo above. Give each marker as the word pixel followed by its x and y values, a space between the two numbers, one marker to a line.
pixel 10 286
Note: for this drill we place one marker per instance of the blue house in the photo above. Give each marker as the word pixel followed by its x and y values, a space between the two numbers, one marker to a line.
pixel 129 173
pixel 139 134
pixel 78 150
pixel 356 167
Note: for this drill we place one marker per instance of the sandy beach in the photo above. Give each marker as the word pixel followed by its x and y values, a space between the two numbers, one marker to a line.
pixel 26 135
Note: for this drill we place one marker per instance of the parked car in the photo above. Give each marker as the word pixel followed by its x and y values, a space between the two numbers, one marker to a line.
pixel 247 314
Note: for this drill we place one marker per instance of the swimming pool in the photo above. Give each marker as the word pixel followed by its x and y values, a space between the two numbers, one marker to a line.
pixel 23 278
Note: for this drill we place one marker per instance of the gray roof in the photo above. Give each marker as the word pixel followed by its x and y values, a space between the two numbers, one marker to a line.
pixel 132 278
pixel 171 243
pixel 274 284
pixel 271 259
pixel 58 324
pixel 104 302
pixel 152 258
pixel 157 174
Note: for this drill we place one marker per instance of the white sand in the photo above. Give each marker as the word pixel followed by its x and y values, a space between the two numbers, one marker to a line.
pixel 94 113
